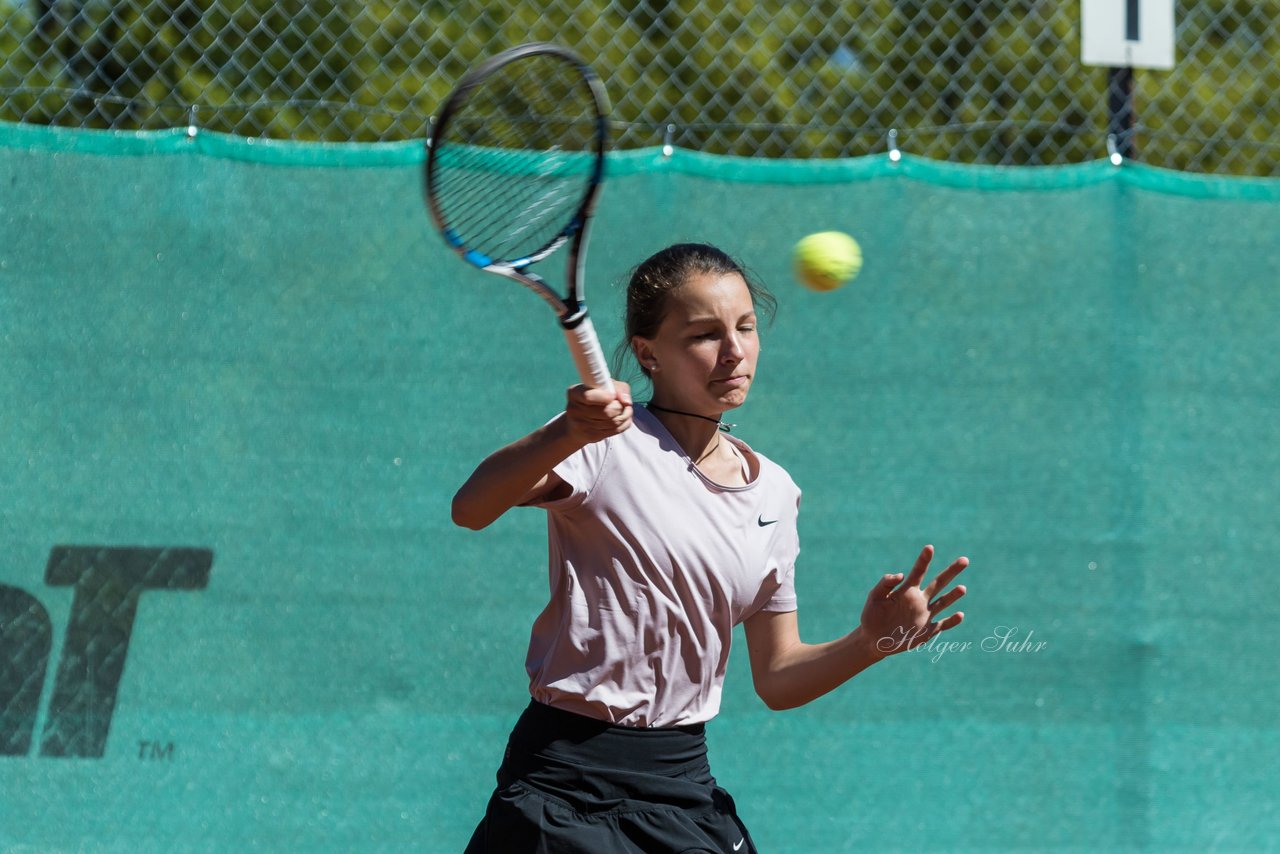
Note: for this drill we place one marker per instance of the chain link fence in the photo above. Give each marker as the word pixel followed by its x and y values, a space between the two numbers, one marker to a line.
pixel 985 81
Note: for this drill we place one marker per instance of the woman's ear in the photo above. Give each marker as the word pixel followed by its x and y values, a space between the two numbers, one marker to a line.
pixel 643 350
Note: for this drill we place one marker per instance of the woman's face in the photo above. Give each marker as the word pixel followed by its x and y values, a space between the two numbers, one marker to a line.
pixel 703 357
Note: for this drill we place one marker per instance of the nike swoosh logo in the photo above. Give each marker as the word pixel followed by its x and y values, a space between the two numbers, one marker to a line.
pixel 761 522
pixel 743 839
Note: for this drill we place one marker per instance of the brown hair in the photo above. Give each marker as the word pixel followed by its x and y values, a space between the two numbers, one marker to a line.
pixel 664 271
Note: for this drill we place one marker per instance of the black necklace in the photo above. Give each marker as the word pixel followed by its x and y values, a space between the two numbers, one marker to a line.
pixel 720 425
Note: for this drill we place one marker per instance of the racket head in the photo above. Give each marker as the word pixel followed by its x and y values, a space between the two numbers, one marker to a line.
pixel 516 158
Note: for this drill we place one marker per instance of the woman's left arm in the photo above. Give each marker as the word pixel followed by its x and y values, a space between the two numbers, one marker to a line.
pixel 898 615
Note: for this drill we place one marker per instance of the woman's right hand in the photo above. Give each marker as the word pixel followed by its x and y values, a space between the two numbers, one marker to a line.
pixel 592 414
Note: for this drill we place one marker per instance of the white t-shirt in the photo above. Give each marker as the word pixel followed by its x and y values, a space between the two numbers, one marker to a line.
pixel 651 566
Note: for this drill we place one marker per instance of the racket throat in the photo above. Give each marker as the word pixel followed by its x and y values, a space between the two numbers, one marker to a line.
pixel 575 314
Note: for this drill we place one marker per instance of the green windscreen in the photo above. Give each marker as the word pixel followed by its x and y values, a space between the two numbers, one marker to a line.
pixel 241 380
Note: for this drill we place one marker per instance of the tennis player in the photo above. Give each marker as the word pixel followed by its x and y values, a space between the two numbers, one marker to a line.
pixel 665 532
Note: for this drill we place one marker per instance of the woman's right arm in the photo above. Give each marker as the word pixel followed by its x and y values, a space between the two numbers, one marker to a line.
pixel 522 471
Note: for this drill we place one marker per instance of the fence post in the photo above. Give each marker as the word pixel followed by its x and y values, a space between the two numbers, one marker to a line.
pixel 1121 114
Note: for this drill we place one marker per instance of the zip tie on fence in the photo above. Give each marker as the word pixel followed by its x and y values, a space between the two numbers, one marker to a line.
pixel 1113 151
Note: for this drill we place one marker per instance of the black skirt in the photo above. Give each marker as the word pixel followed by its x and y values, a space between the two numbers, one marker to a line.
pixel 569 783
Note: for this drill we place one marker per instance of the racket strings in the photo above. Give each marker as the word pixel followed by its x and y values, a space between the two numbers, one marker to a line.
pixel 514 162
pixel 511 205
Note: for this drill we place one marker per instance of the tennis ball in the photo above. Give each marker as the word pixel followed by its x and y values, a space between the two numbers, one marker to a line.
pixel 826 260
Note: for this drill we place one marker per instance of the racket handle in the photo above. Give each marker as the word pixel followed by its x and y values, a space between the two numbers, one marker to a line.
pixel 587 355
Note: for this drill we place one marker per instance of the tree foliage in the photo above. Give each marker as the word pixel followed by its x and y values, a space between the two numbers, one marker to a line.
pixel 993 81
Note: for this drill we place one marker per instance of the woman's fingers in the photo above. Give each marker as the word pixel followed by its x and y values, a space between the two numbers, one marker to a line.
pixel 885 586
pixel 595 414
pixel 946 576
pixel 921 566
pixel 946 601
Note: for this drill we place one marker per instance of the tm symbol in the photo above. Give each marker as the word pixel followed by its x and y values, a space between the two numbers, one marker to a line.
pixel 156 751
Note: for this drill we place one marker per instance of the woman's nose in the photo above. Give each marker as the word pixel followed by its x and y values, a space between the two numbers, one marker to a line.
pixel 733 350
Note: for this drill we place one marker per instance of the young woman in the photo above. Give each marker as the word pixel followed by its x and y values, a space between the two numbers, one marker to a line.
pixel 665 532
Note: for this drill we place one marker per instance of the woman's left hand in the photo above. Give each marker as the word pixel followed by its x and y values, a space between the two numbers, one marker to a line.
pixel 897 618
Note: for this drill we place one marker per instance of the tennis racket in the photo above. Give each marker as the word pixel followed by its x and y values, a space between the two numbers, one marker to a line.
pixel 514 167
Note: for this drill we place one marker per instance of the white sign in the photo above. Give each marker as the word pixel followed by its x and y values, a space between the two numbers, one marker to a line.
pixel 1127 33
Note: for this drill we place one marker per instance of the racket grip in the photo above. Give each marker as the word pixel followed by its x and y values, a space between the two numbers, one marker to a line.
pixel 587 355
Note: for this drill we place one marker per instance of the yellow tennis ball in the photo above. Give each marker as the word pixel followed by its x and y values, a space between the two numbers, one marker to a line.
pixel 826 260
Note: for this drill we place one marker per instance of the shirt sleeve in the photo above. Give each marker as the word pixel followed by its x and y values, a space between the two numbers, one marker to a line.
pixel 784 597
pixel 580 470
pixel 783 562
